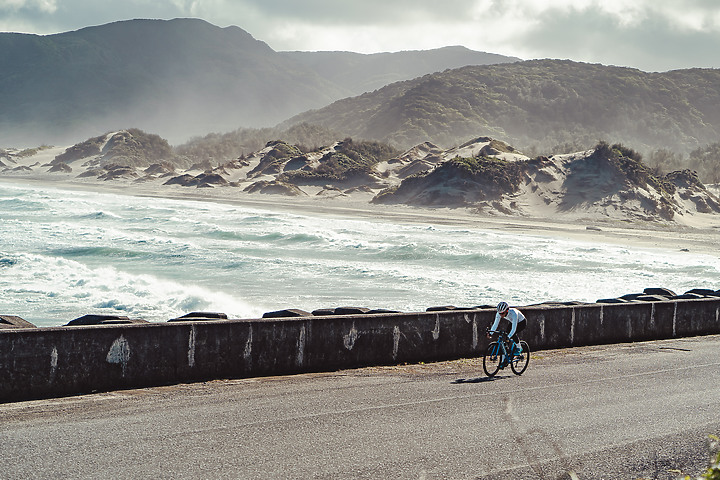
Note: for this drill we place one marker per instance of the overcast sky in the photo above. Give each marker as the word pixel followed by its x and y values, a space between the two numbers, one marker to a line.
pixel 652 35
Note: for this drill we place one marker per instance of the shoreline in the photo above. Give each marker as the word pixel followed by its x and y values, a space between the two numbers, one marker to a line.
pixel 691 239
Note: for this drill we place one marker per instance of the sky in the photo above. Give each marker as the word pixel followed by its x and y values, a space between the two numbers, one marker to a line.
pixel 652 35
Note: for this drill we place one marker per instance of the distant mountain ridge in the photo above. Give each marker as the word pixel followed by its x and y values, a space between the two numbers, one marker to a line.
pixel 361 73
pixel 179 78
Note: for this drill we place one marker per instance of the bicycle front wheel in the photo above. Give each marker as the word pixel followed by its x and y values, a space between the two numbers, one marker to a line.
pixel 492 358
pixel 520 362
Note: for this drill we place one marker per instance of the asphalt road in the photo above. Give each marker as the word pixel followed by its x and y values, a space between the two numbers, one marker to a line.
pixel 630 411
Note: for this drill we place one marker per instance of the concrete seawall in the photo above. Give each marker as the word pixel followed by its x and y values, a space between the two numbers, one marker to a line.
pixel 60 361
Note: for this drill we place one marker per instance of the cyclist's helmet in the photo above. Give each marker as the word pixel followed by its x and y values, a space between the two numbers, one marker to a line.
pixel 502 306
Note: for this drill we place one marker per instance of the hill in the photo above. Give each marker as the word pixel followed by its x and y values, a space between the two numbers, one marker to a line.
pixel 536 105
pixel 176 77
pixel 180 78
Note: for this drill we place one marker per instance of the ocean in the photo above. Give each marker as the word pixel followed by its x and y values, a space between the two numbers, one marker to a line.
pixel 67 253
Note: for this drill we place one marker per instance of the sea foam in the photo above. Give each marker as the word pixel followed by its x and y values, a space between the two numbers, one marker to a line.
pixel 65 254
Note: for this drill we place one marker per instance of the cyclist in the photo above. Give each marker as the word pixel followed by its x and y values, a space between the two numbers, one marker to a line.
pixel 517 323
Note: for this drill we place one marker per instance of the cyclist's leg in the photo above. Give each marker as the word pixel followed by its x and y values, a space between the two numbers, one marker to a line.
pixel 520 327
pixel 515 345
pixel 504 352
pixel 508 349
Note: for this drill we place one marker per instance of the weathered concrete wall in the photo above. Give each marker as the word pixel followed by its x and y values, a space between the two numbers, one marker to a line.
pixel 49 362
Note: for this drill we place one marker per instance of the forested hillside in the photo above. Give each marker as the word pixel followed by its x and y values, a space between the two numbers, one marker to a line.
pixel 539 106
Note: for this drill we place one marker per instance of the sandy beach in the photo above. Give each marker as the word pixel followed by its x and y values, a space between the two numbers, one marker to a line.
pixel 689 231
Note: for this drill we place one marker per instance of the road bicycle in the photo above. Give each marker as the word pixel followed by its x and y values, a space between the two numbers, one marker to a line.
pixel 503 352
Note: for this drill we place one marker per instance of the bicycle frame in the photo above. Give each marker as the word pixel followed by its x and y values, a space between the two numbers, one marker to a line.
pixel 502 349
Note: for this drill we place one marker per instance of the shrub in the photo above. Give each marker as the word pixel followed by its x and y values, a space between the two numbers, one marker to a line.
pixel 706 161
pixel 713 471
pixel 367 153
pixel 628 163
pixel 29 152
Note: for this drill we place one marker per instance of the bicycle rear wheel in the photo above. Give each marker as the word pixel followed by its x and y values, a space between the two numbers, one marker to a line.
pixel 492 358
pixel 520 362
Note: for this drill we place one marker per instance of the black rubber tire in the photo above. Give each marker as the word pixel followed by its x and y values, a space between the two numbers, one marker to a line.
pixel 491 361
pixel 518 365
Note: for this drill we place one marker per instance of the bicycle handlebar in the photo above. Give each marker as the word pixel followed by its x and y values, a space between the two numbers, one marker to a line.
pixel 499 332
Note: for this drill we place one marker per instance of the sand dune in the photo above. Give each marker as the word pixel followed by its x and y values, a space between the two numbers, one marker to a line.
pixel 693 231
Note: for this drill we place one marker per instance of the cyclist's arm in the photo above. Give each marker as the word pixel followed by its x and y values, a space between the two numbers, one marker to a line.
pixel 514 320
pixel 495 325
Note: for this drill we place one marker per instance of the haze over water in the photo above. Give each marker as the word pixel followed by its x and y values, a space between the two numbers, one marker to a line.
pixel 64 254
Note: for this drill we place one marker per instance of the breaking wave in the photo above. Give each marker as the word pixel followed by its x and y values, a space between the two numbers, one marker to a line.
pixel 66 254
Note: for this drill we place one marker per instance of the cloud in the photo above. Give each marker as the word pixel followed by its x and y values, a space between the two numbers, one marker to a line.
pixel 333 12
pixel 55 16
pixel 652 39
pixel 43 6
pixel 25 15
pixel 649 34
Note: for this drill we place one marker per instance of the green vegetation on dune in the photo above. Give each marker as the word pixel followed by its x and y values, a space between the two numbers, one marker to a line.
pixel 628 164
pixel 496 174
pixel 135 147
pixel 458 182
pixel 350 159
pixel 81 150
pixel 29 152
pixel 131 147
pixel 367 153
pixel 334 167
pixel 274 160
pixel 225 146
pixel 281 150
